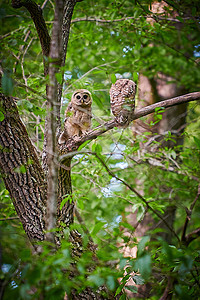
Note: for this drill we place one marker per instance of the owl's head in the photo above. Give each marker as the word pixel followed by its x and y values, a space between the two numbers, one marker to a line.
pixel 82 98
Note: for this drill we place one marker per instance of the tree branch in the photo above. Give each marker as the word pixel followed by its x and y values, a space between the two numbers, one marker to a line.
pixel 73 144
pixel 137 194
pixel 95 19
pixel 67 156
pixel 99 20
pixel 60 35
pixel 192 236
pixel 52 108
pixel 40 25
pixel 168 290
pixel 188 217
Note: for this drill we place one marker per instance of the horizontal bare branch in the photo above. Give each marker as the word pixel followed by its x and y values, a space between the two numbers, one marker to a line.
pixel 95 19
pixel 166 104
pixel 99 20
pixel 73 143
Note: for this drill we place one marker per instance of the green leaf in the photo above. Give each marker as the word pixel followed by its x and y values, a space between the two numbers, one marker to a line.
pixel 97 148
pixel 122 264
pixel 127 225
pixel 7 84
pixel 38 111
pixel 143 264
pixel 98 101
pixel 138 279
pixel 83 145
pixel 119 289
pixel 140 212
pixel 113 78
pixel 197 142
pixel 135 76
pixel 110 282
pixel 173 154
pixel 1 116
pixel 142 245
pixel 59 77
pixel 180 19
pixel 21 169
pixel 96 279
pixel 131 288
pixel 97 227
pixel 159 109
pixel 65 200
pixel 122 297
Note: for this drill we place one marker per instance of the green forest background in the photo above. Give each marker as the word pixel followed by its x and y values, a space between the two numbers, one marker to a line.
pixel 111 40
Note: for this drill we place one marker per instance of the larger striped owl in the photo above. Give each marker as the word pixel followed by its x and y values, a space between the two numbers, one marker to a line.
pixel 77 115
pixel 122 98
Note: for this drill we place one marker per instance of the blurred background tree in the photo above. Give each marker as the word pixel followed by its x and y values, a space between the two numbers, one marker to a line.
pixel 157 45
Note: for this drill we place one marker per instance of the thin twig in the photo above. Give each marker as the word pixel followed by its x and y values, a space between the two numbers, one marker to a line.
pixel 10 33
pixel 8 219
pixel 192 236
pixel 80 220
pixel 63 157
pixel 136 193
pixel 21 49
pixel 88 72
pixel 99 20
pixel 22 62
pixel 189 213
pixel 30 89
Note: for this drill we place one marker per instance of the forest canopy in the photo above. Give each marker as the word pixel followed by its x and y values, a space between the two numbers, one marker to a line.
pixel 113 214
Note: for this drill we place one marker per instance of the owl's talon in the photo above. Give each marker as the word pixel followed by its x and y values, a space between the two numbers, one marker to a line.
pixel 76 138
pixel 85 133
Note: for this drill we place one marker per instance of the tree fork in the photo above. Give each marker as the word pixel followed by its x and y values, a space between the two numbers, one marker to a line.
pixel 40 25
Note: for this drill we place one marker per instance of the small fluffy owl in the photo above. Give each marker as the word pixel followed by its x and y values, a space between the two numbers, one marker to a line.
pixel 122 98
pixel 77 115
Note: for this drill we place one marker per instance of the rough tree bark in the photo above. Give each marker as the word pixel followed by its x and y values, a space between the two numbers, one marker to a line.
pixel 53 109
pixel 22 172
pixel 20 166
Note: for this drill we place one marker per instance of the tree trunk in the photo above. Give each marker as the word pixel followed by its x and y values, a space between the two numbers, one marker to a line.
pixel 22 172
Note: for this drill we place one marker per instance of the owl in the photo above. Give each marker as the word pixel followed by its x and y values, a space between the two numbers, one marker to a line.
pixel 77 115
pixel 122 98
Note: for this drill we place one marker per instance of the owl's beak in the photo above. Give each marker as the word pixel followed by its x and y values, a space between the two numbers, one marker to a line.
pixel 82 100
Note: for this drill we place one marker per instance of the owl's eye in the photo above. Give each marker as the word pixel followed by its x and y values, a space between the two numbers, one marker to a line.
pixel 85 97
pixel 78 97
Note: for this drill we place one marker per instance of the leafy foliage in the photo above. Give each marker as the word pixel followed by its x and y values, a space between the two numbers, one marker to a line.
pixel 110 40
